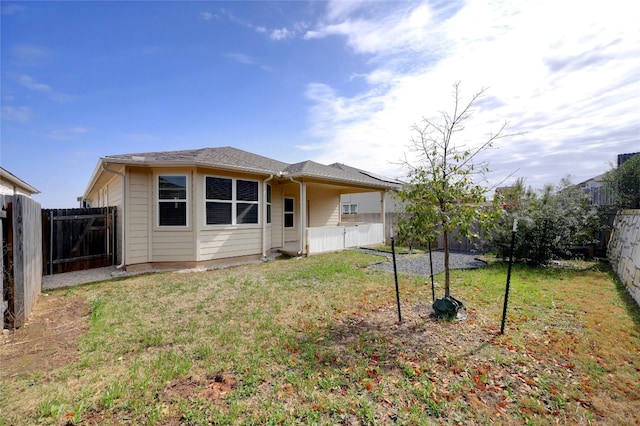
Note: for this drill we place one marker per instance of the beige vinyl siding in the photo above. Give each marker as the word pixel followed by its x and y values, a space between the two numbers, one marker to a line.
pixel 6 188
pixel 173 245
pixel 324 206
pixel 112 183
pixel 114 198
pixel 138 216
pixel 114 191
pixel 230 242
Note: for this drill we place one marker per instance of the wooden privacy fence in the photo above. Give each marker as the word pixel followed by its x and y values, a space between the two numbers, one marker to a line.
pixel 78 239
pixel 21 265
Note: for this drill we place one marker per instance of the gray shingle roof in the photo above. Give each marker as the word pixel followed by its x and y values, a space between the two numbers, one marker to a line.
pixel 236 159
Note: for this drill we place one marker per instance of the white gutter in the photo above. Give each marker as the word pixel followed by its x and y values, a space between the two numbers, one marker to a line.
pixel 264 218
pixel 124 193
pixel 303 203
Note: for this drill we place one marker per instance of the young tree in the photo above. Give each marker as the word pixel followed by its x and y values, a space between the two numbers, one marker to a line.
pixel 442 194
pixel 624 181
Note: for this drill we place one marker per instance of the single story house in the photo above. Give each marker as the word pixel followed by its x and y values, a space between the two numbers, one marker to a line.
pixel 205 206
pixel 12 185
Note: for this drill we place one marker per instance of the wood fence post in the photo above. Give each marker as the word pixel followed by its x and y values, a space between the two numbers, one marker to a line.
pixel 4 305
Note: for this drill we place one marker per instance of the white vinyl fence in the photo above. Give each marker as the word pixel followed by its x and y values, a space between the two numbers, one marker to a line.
pixel 334 238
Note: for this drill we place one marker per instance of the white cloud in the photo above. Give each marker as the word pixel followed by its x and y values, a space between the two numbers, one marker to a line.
pixel 566 73
pixel 207 16
pixel 20 114
pixel 281 34
pixel 29 54
pixel 247 60
pixel 241 57
pixel 11 9
pixel 67 134
pixel 31 84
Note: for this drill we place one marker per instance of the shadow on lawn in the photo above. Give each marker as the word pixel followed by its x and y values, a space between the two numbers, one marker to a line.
pixel 376 339
pixel 630 304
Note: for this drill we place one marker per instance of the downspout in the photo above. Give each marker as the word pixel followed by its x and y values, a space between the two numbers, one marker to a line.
pixel 264 219
pixel 383 213
pixel 303 201
pixel 124 198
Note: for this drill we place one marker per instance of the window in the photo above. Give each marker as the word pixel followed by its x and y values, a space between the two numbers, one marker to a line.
pixel 231 201
pixel 268 203
pixel 288 212
pixel 172 200
pixel 349 208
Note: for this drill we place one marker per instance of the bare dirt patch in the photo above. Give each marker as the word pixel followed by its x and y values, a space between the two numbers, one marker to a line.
pixel 212 389
pixel 48 340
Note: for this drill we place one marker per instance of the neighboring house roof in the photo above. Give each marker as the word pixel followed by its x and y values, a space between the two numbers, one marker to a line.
pixel 234 159
pixel 9 178
pixel 596 180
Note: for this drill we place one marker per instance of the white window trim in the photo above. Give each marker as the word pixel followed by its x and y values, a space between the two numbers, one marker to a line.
pixel 158 200
pixel 268 205
pixel 285 212
pixel 233 202
pixel 350 208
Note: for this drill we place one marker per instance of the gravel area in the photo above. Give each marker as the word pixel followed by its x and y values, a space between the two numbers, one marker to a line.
pixel 418 264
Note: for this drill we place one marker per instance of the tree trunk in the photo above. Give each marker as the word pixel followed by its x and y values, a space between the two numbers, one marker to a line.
pixel 447 278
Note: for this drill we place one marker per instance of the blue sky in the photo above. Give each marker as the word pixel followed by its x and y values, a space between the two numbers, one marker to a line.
pixel 337 81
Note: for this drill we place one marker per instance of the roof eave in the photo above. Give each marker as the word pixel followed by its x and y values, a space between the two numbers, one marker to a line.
pixel 344 181
pixel 14 180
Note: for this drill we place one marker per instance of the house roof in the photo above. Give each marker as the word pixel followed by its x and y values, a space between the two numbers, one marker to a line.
pixel 9 177
pixel 224 157
pixel 234 159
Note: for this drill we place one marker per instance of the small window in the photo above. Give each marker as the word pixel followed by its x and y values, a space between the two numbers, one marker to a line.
pixel 289 212
pixel 348 208
pixel 172 200
pixel 268 203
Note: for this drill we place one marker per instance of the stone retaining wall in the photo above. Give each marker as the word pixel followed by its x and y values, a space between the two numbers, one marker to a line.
pixel 624 250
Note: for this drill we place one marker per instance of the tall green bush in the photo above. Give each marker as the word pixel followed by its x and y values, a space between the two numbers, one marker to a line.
pixel 624 181
pixel 552 222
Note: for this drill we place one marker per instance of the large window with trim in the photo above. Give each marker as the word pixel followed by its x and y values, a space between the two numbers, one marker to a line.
pixel 231 201
pixel 172 200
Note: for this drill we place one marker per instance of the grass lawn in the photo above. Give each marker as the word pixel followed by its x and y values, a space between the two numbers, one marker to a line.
pixel 317 341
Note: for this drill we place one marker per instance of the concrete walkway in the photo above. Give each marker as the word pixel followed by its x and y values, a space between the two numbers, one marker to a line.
pixel 68 279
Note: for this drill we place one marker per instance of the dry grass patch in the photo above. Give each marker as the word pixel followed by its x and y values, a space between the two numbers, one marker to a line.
pixel 317 340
